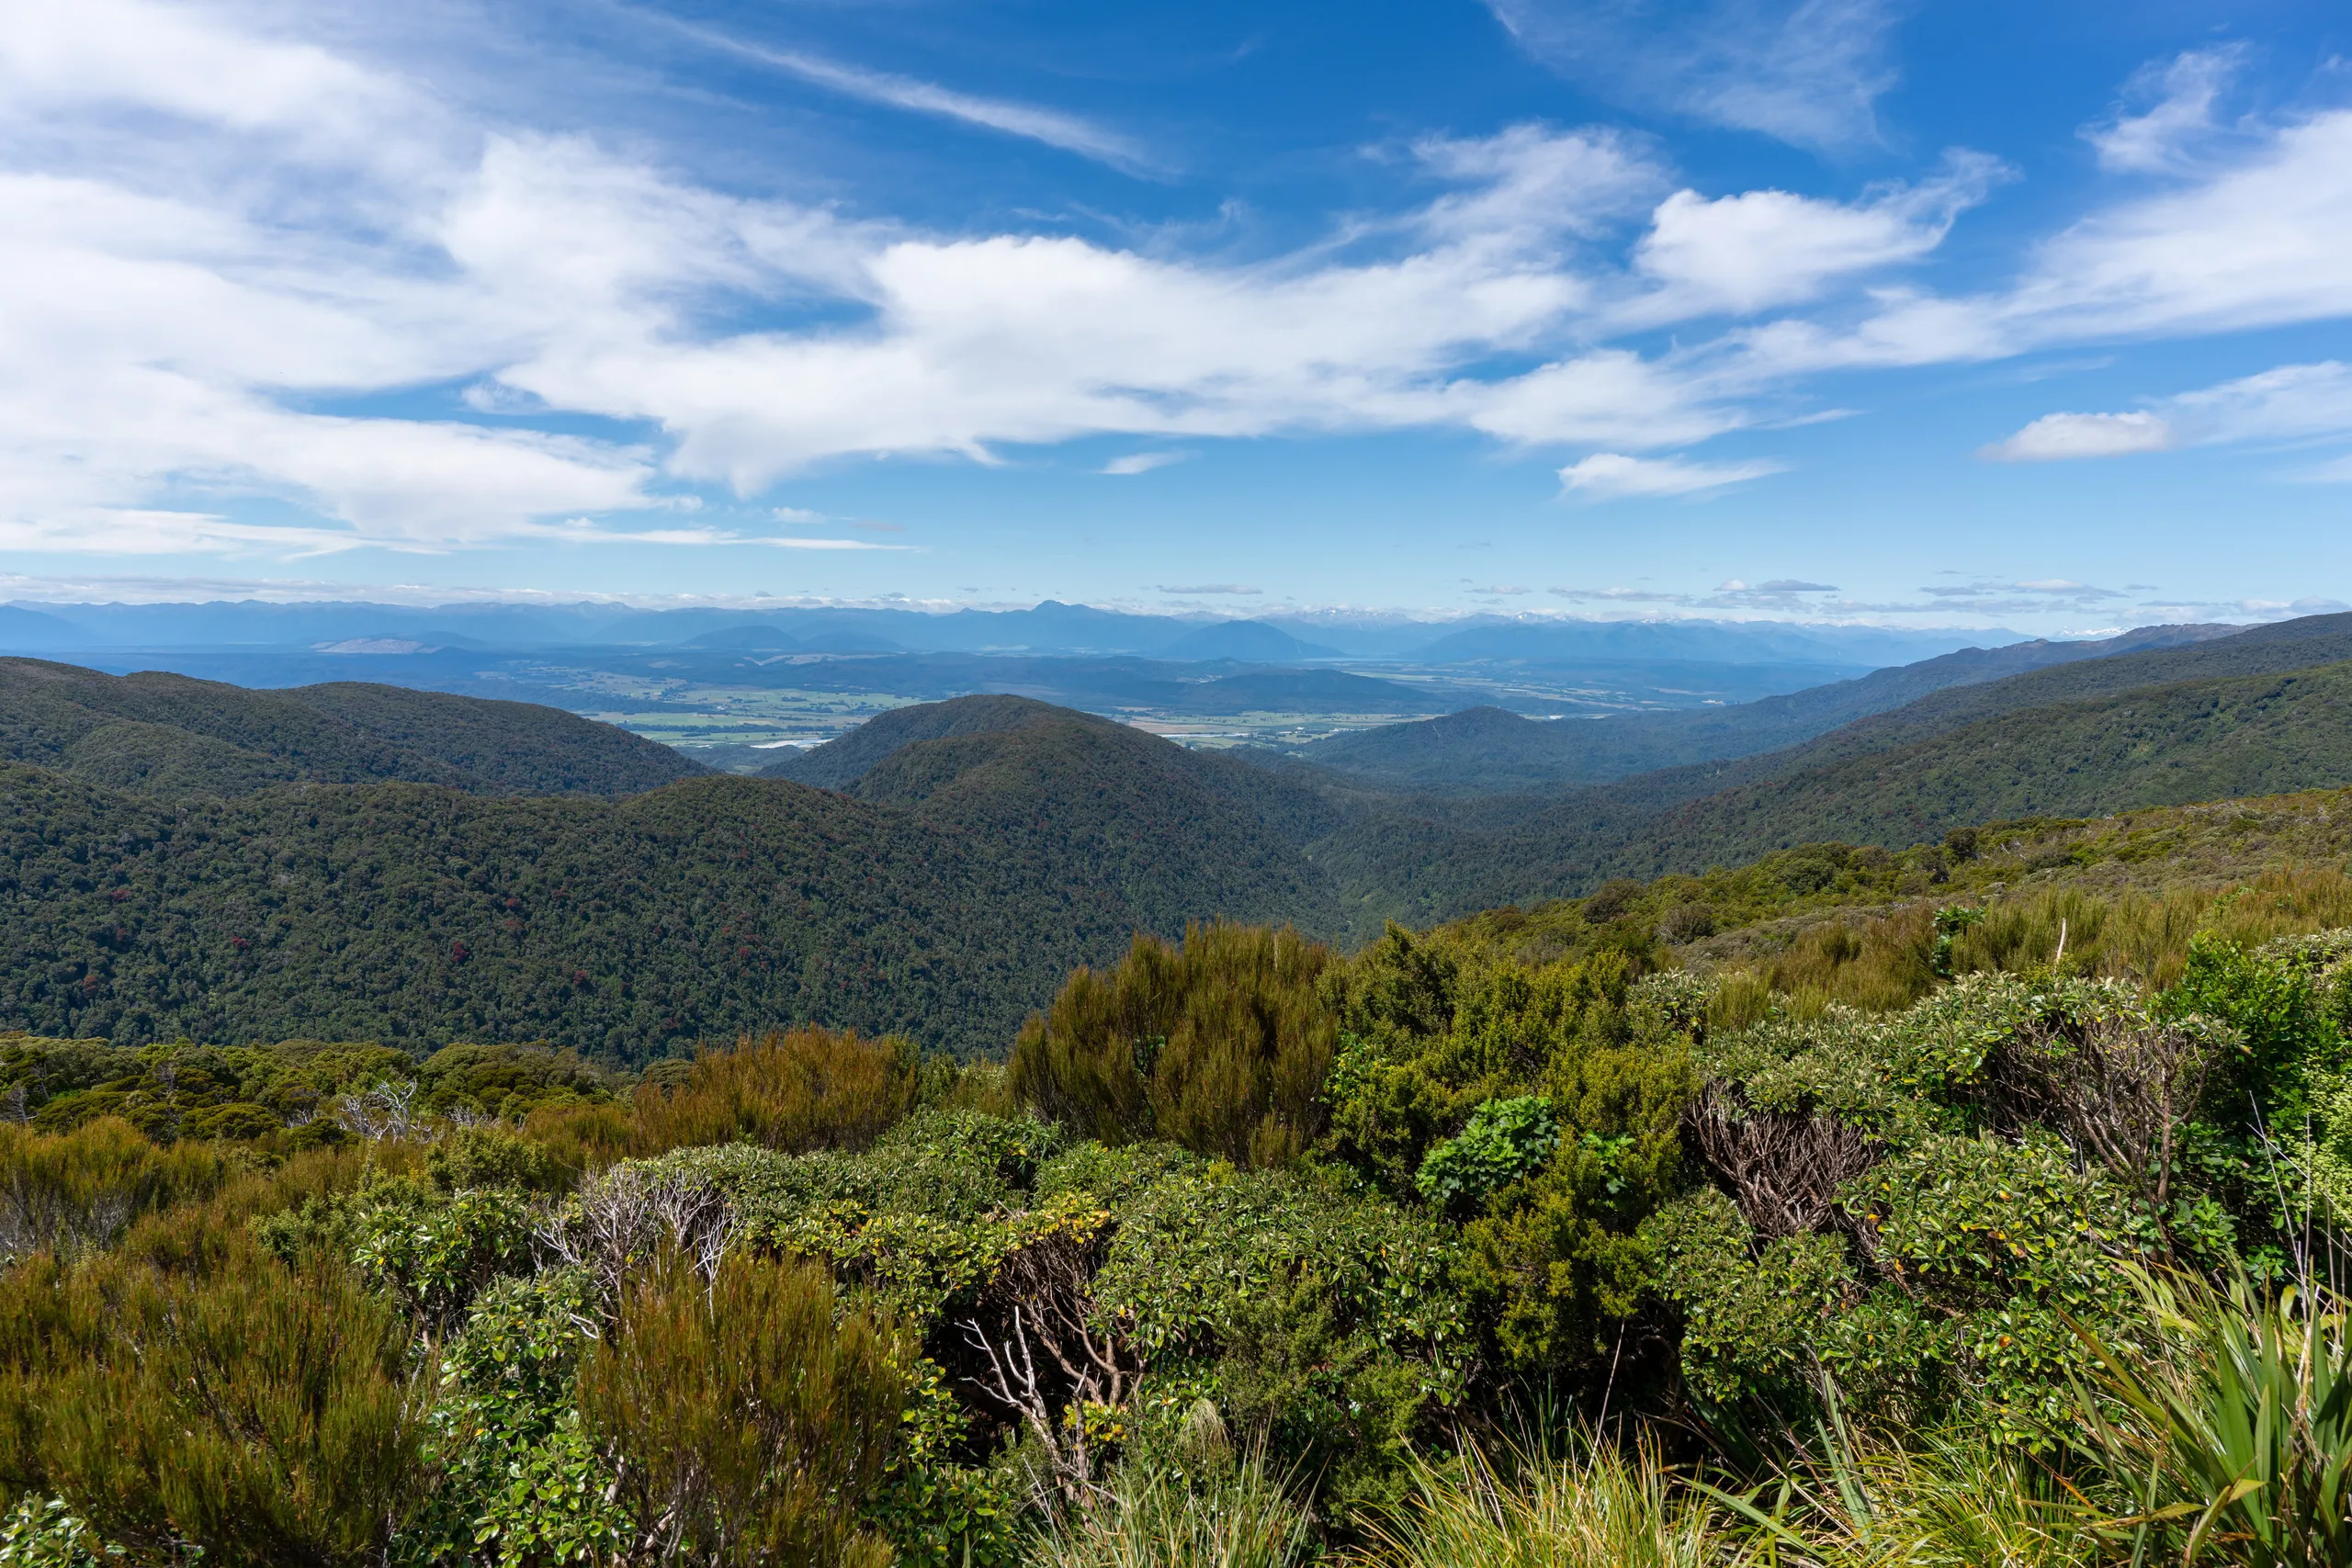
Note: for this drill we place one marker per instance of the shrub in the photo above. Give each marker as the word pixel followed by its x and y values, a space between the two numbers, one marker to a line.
pixel 262 1413
pixel 75 1192
pixel 797 1090
pixel 489 1157
pixel 746 1423
pixel 507 1082
pixel 1504 1140
pixel 1221 1045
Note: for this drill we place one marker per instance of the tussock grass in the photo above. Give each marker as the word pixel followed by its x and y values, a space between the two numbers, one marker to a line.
pixel 1584 1503
pixel 1151 1519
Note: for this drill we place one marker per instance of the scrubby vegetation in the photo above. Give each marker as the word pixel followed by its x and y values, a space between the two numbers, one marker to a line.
pixel 1708 1221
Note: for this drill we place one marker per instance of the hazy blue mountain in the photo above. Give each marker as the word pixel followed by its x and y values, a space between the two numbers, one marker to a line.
pixel 1250 642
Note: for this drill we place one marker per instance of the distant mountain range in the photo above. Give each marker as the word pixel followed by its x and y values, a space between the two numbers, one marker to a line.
pixel 1051 628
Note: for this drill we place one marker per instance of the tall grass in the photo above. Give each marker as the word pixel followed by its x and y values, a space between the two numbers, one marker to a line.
pixel 1151 1519
pixel 1923 1500
pixel 1590 1505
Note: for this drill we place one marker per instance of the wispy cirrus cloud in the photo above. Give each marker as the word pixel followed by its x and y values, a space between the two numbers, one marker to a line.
pixel 1808 71
pixel 2178 95
pixel 1613 476
pixel 1051 127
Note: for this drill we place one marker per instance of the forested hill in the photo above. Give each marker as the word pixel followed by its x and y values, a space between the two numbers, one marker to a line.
pixel 947 906
pixel 171 736
pixel 2150 746
pixel 837 764
pixel 1489 750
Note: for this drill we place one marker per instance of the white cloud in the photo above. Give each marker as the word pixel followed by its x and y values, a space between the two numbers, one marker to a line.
pixel 2291 402
pixel 1530 183
pixel 2056 437
pixel 1763 248
pixel 2161 137
pixel 1141 462
pixel 1613 476
pixel 1808 71
pixel 2285 404
pixel 204 281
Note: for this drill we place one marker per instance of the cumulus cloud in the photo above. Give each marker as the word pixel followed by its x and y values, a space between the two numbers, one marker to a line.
pixel 1808 71
pixel 1613 476
pixel 2058 437
pixel 1762 248
pixel 2291 402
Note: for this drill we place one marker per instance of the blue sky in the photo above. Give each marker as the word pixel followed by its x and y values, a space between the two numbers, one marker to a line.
pixel 2028 314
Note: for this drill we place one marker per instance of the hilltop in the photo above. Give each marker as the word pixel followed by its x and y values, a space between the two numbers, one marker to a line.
pixel 968 876
pixel 173 736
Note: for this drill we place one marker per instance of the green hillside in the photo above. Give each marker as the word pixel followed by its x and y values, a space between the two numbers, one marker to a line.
pixel 1487 749
pixel 171 736
pixel 2152 746
pixel 948 902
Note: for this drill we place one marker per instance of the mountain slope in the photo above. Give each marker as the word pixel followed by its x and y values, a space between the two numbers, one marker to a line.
pixel 948 897
pixel 1490 750
pixel 170 735
pixel 2150 746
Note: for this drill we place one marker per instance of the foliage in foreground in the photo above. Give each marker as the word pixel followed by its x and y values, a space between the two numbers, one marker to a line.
pixel 1249 1256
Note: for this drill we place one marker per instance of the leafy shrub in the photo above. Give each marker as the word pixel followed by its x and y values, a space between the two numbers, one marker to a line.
pixel 47 1534
pixel 507 1082
pixel 517 1482
pixel 1504 1140
pixel 489 1157
pixel 433 1259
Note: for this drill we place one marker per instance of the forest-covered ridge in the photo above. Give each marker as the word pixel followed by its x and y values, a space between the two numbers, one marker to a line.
pixel 962 873
pixel 1489 749
pixel 1893 779
pixel 171 736
pixel 950 902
